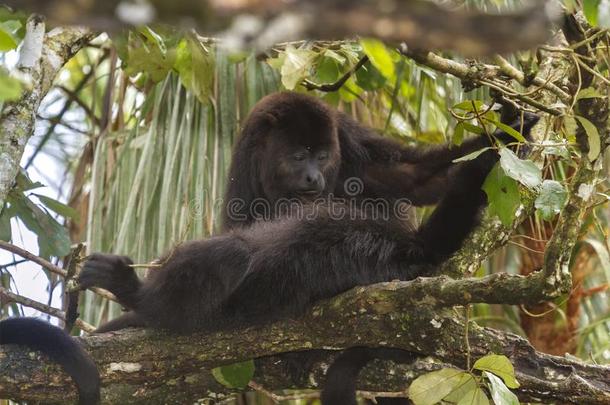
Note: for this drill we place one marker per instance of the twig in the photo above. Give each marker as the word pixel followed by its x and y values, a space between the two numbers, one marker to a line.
pixel 330 87
pixel 517 75
pixel 527 100
pixel 51 267
pixel 33 258
pixel 7 296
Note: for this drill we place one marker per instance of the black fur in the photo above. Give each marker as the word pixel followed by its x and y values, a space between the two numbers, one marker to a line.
pixel 60 347
pixel 282 123
pixel 276 269
pixel 270 270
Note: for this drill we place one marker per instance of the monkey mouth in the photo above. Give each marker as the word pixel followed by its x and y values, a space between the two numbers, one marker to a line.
pixel 308 193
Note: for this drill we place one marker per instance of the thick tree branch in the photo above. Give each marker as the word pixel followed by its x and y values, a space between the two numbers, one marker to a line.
pixel 417 22
pixel 141 366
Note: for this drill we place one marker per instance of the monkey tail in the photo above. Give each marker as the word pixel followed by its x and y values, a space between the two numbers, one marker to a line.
pixel 61 348
pixel 340 385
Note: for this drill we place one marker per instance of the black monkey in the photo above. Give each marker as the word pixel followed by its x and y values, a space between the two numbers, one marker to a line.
pixel 276 269
pixel 294 146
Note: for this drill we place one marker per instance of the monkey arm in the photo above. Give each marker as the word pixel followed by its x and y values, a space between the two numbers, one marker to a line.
pixel 457 213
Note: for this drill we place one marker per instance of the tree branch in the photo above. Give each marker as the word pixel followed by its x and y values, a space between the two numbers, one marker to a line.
pixel 41 58
pixel 145 366
pixel 424 23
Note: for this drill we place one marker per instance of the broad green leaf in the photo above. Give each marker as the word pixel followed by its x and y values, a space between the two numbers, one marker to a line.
pixel 145 55
pixel 8 39
pixel 430 388
pixel 467 383
pixel 589 92
pixel 473 128
pixel 590 9
pixel 380 57
pixel 551 199
pixel 58 207
pixel 10 88
pixel 592 137
pixel 470 106
pixel 236 375
pixel 524 171
pixel 458 134
pixel 502 195
pixel 500 366
pixel 296 66
pixel 500 393
pixel 471 156
pixel 551 148
pixel 327 71
pixel 350 90
pixel 195 65
pixel 53 238
pixel 474 397
pixel 369 77
pixel 512 132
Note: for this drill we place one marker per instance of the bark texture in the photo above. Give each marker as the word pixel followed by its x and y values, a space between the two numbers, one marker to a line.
pixel 139 366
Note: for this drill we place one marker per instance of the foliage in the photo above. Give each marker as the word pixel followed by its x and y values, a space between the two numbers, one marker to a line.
pixel 467 387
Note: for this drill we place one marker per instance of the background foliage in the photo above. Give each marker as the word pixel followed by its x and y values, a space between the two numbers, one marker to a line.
pixel 141 126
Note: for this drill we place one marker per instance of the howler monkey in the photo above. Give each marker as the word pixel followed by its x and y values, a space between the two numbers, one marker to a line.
pixel 295 147
pixel 275 269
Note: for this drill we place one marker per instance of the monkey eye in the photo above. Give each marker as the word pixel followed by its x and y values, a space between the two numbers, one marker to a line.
pixel 323 156
pixel 298 157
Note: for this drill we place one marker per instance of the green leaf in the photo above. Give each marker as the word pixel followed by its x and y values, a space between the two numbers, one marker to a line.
pixel 24 183
pixel 58 207
pixel 430 388
pixel 592 137
pixel 524 171
pixel 500 393
pixel 502 194
pixel 499 365
pixel 471 156
pixel 512 132
pixel 467 383
pixel 296 66
pixel 369 77
pixel 473 128
pixel 8 39
pixel 380 57
pixel 590 9
pixel 474 397
pixel 53 238
pixel 236 375
pixel 327 71
pixel 458 134
pixel 10 88
pixel 195 66
pixel 145 55
pixel 551 199
pixel 589 92
pixel 469 106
